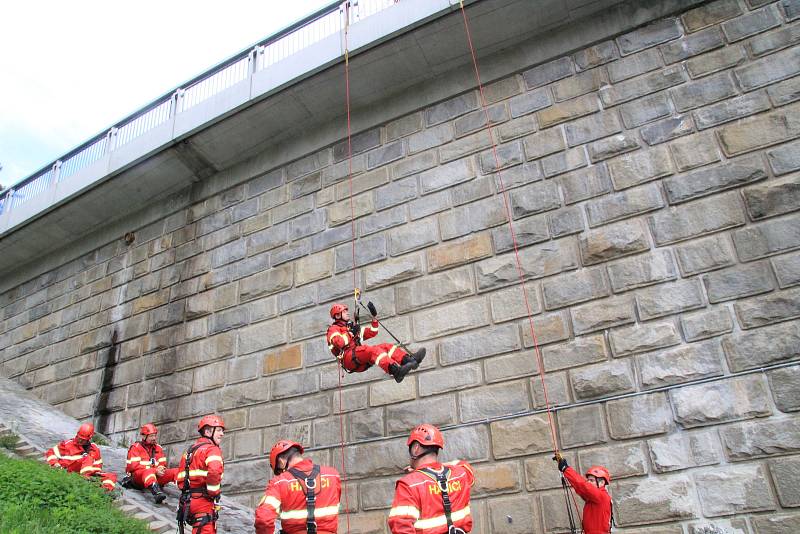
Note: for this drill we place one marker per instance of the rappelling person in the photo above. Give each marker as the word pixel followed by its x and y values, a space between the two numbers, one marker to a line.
pixel 344 341
pixel 434 497
pixel 147 465
pixel 200 477
pixel 597 512
pixel 303 495
pixel 80 455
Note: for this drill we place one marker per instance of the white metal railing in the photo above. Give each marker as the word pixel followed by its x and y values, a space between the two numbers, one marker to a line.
pixel 300 35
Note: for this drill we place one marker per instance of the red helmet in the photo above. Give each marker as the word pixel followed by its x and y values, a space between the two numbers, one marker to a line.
pixel 598 471
pixel 148 429
pixel 336 309
pixel 426 434
pixel 86 431
pixel 279 448
pixel 212 421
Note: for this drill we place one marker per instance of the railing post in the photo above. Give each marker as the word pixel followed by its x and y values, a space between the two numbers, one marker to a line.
pixel 177 97
pixel 111 139
pixel 56 173
pixel 253 58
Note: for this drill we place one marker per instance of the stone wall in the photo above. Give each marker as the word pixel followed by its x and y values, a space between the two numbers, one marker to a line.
pixel 654 192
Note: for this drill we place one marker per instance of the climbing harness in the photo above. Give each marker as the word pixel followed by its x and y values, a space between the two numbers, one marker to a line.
pixel 309 483
pixel 184 515
pixel 441 481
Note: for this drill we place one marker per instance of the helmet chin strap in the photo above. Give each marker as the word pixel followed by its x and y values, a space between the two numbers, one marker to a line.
pixel 418 456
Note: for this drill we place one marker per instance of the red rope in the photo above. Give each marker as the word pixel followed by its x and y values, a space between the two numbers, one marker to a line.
pixel 511 227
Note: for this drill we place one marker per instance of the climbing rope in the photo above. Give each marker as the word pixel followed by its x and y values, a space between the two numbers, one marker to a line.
pixel 504 193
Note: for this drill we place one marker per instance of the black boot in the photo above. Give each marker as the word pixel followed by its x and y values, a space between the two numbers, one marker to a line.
pixel 158 494
pixel 399 372
pixel 419 356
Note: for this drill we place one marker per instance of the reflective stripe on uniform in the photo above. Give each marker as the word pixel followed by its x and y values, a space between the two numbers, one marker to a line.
pixel 162 460
pixel 271 501
pixel 381 356
pixel 52 457
pixel 343 335
pixel 213 458
pixel 215 487
pixel 192 473
pixel 441 520
pixel 391 351
pixel 89 468
pixel 134 459
pixel 148 477
pixel 303 514
pixel 405 511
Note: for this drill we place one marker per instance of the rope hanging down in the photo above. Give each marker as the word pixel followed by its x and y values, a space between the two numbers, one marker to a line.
pixel 520 272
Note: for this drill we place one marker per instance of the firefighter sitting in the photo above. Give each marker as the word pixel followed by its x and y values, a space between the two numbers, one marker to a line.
pixel 597 514
pixel 147 465
pixel 434 497
pixel 344 341
pixel 303 495
pixel 200 478
pixel 80 455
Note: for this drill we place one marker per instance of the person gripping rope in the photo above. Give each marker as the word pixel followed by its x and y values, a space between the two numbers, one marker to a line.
pixel 200 478
pixel 80 455
pixel 597 510
pixel 344 341
pixel 147 464
pixel 434 498
pixel 303 495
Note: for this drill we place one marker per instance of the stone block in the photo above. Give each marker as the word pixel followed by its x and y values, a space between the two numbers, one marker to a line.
pixel 776 524
pixel 547 73
pixel 785 385
pixel 635 64
pixel 760 131
pixel 593 127
pixel 731 109
pixel 471 191
pixel 695 151
pixel 516 128
pixel 360 142
pixel 568 110
pixel 502 89
pixel 787 268
pixel 500 157
pixel 642 270
pixel 528 231
pixel 283 360
pixel 521 436
pixel 360 183
pixel 549 328
pixel 547 259
pixel 509 366
pixel 385 154
pixel 543 143
pixel 638 416
pixel 771 308
pixel 580 351
pixel 773 41
pixel 497 340
pixel 681 364
pixel 692 45
pixel 704 92
pixel 737 282
pixel 566 221
pixel 446 175
pixel 449 379
pixel 404 126
pixel 600 380
pixel 579 84
pixel 650 35
pixel 730 400
pixel 457 253
pixel 469 443
pixel 382 220
pixel 624 204
pixel 706 324
pixel 266 283
pixel 655 500
pixel 705 255
pixel 565 290
pixel 409 237
pixel 368 250
pixel 581 426
pixel 710 14
pixel 639 167
pixel 666 299
pixel 294 384
pixel 770 344
pixel 513 515
pixel 450 109
pixel 586 183
pixel 612 146
pixel 734 489
pixel 596 55
pixel 341 212
pixel 707 181
pixel 602 314
pixel 684 450
pixel 786 474
pixel 517 176
pixel 643 338
pixel 494 401
pixel 697 218
pixel 477 119
pixel 667 129
pixel 755 439
pixel 449 319
pixel 534 198
pixel 393 194
pixel 751 23
pixel 496 478
pixel 784 92
pixel 434 289
pixel 464 146
pixel 643 85
pixel 644 110
pixel 376 495
pixel 539 472
pixel 472 218
pixel 439 411
pixel 716 61
pixel 262 335
pixel 623 460
pixel 563 162
pixel 784 159
pixel 529 102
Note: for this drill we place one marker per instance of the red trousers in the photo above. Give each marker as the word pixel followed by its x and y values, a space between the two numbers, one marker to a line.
pixel 86 467
pixel 144 478
pixel 382 355
pixel 199 507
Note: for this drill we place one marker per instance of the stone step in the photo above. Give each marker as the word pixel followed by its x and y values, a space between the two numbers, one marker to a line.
pixel 25 449
pixel 161 526
pixel 129 509
pixel 144 516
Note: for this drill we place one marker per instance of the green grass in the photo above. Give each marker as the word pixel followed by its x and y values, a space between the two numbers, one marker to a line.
pixel 36 499
pixel 8 442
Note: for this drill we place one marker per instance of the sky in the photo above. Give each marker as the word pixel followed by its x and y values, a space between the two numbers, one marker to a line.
pixel 69 70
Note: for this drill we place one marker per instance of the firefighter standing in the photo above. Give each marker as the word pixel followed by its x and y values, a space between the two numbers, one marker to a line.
pixel 80 455
pixel 597 514
pixel 344 341
pixel 147 464
pixel 434 498
pixel 200 477
pixel 304 496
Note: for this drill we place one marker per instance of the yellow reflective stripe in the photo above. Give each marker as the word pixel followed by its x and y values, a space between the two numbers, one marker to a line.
pixel 303 514
pixel 134 459
pixel 405 511
pixel 214 458
pixel 149 477
pixel 89 468
pixel 271 501
pixel 391 351
pixel 343 335
pixel 71 458
pixel 162 460
pixel 380 357
pixel 56 451
pixel 213 488
pixel 441 520
pixel 198 473
pixel 98 462
pixel 52 457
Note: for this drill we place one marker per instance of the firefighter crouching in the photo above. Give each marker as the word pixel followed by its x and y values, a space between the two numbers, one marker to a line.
pixel 344 341
pixel 200 477
pixel 80 455
pixel 597 513
pixel 434 497
pixel 303 495
pixel 147 465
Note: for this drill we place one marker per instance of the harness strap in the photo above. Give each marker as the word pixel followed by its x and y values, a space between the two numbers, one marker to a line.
pixel 183 514
pixel 441 481
pixel 309 485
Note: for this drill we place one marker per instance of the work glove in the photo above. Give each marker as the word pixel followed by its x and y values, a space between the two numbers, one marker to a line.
pixel 562 462
pixel 372 309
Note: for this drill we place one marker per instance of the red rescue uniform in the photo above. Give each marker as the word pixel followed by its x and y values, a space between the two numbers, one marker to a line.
pixel 76 459
pixel 342 344
pixel 417 507
pixel 205 472
pixel 597 510
pixel 143 461
pixel 285 499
